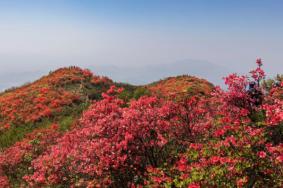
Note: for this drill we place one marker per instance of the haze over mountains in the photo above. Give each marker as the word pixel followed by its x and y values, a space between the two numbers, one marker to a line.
pixel 143 74
pixel 134 74
pixel 137 74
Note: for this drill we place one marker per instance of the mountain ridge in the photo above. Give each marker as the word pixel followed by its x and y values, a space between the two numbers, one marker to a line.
pixel 71 90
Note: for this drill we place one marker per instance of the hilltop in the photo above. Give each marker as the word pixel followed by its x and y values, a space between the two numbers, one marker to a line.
pixel 180 87
pixel 61 94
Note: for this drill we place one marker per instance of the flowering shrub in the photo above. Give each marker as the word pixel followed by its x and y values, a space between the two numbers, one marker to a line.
pixel 274 112
pixel 114 144
pixel 237 151
pixel 102 80
pixel 15 160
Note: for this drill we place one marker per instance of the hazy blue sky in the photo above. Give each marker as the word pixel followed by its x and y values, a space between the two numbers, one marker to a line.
pixel 132 40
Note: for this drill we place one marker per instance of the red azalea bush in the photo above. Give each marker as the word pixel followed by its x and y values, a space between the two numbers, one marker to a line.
pixel 114 144
pixel 237 151
pixel 15 160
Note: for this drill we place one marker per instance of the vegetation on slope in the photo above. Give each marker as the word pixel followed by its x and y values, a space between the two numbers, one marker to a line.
pixel 64 92
pixel 118 135
pixel 180 87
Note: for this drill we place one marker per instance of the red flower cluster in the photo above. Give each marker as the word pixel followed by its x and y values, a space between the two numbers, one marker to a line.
pixel 101 80
pixel 26 150
pixel 258 74
pixel 274 112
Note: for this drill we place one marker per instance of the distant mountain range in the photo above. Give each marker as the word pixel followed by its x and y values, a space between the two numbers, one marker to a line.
pixel 143 74
pixel 134 74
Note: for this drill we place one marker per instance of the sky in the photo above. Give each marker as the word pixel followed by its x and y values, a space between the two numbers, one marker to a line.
pixel 139 41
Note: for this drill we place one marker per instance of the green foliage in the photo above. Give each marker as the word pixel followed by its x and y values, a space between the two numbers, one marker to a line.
pixel 257 116
pixel 268 83
pixel 196 89
pixel 66 123
pixel 16 133
pixel 275 134
pixel 130 93
pixel 141 91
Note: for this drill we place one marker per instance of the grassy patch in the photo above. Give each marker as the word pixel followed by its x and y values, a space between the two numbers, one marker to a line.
pixel 16 133
pixel 66 123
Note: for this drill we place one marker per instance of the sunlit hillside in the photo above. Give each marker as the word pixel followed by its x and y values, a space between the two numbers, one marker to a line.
pixel 72 128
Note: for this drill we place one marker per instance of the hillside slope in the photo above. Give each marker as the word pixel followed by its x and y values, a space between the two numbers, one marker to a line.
pixel 33 117
pixel 66 92
pixel 57 95
pixel 74 129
